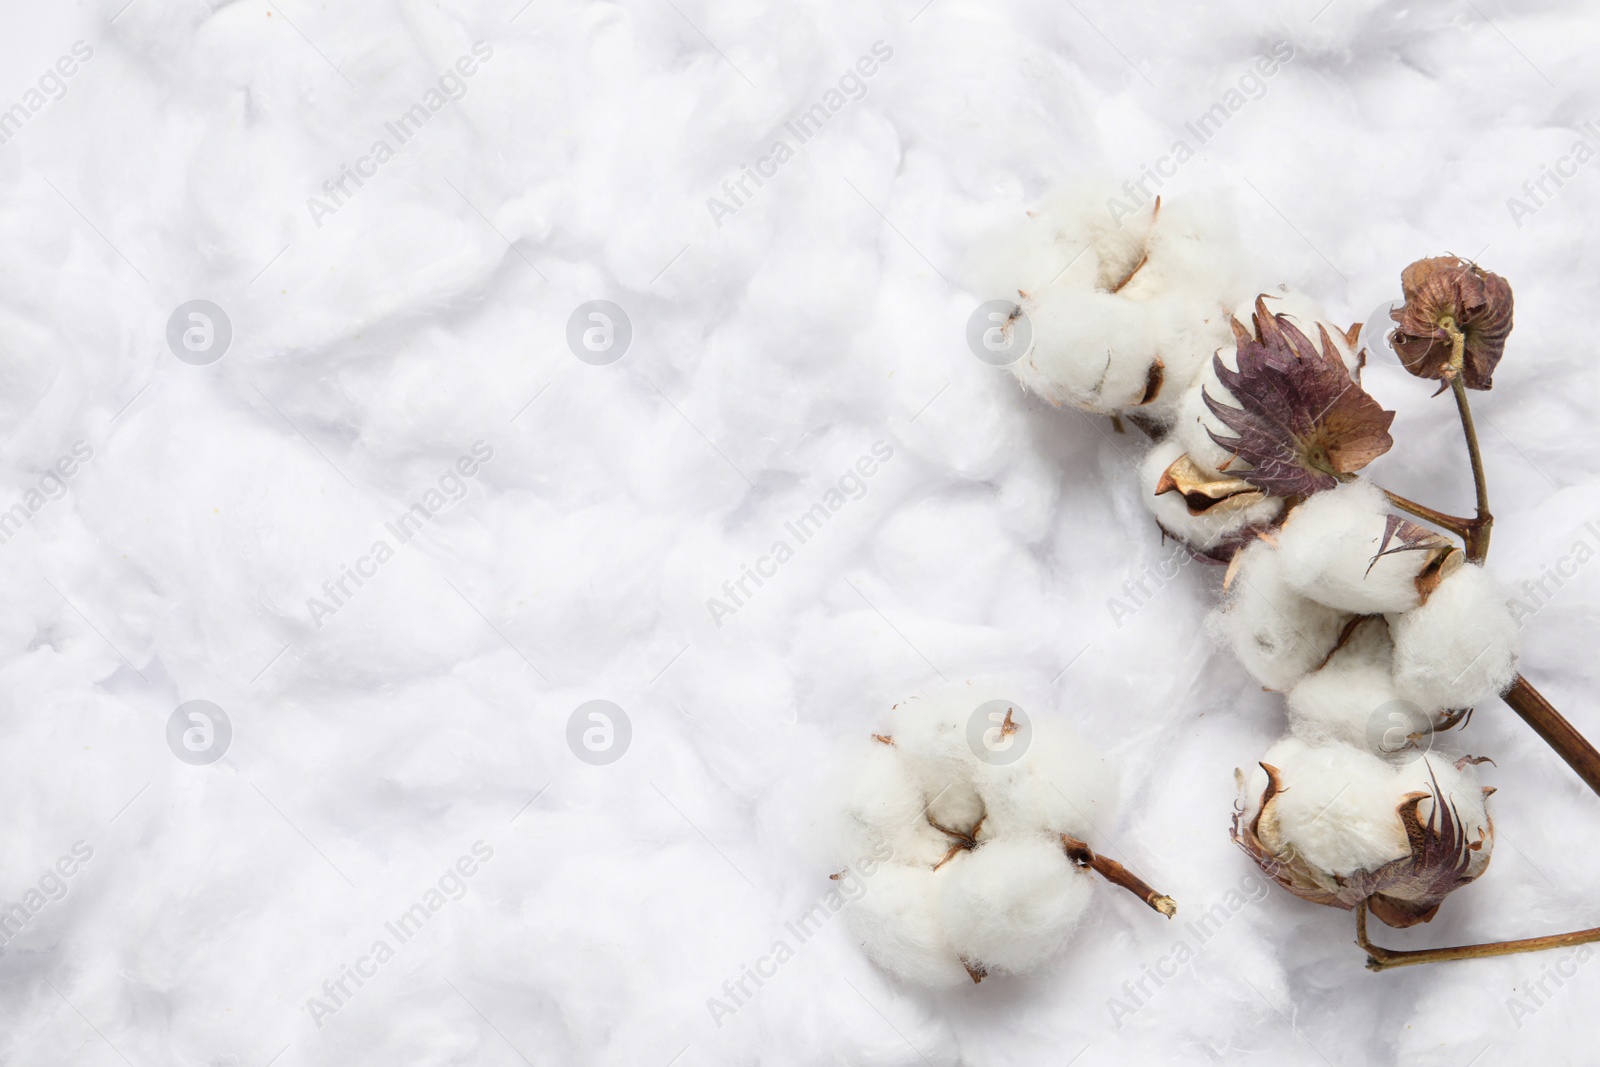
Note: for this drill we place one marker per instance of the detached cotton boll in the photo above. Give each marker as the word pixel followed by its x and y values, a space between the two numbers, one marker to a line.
pixel 980 814
pixel 1460 648
pixel 1277 634
pixel 1339 826
pixel 1346 548
pixel 1011 904
pixel 1216 528
pixel 1195 422
pixel 899 924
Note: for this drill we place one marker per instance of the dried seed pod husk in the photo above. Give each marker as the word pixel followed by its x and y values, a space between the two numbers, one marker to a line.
pixel 1445 290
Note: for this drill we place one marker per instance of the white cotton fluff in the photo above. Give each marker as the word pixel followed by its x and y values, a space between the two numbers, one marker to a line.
pixel 1277 634
pixel 1209 529
pixel 1353 700
pixel 1328 545
pixel 997 844
pixel 1460 648
pixel 1011 904
pixel 1338 808
pixel 1194 423
pixel 1098 349
pixel 900 924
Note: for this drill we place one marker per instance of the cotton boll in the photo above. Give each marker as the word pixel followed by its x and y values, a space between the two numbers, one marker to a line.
pixel 1011 904
pixel 1330 545
pixel 1460 648
pixel 1341 827
pixel 900 924
pixel 1352 699
pixel 1337 807
pixel 1093 350
pixel 1277 634
pixel 1211 528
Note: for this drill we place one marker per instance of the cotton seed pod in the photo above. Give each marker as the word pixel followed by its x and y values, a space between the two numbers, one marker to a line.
pixel 1447 290
pixel 1212 516
pixel 1123 311
pixel 965 803
pixel 1338 826
pixel 1459 649
pixel 1347 549
pixel 1277 634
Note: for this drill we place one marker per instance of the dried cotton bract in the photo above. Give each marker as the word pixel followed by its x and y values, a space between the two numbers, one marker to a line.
pixel 979 871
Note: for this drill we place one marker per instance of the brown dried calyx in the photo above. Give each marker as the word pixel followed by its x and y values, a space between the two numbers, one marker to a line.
pixel 1201 492
pixel 1440 554
pixel 1445 294
pixel 1302 423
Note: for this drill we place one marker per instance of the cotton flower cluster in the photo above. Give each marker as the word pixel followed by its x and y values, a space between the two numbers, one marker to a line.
pixel 1374 627
pixel 983 814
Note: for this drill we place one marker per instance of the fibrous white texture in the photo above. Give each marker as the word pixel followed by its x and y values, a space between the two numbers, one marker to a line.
pixel 990 887
pixel 1329 546
pixel 1352 699
pixel 1208 529
pixel 1123 310
pixel 1338 808
pixel 1277 633
pixel 1460 648
pixel 1010 904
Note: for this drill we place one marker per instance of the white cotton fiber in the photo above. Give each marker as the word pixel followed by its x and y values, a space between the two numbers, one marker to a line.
pixel 898 922
pixel 1123 308
pixel 1059 786
pixel 1337 807
pixel 1211 527
pixel 1072 229
pixel 1328 545
pixel 1011 904
pixel 979 821
pixel 1353 700
pixel 1460 648
pixel 885 805
pixel 1194 423
pixel 1277 634
pixel 1095 351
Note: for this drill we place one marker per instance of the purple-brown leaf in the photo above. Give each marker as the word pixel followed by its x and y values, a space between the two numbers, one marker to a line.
pixel 1303 422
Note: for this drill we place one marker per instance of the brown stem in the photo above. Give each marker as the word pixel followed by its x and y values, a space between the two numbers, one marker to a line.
pixel 1553 728
pixel 1478 535
pixel 1457 525
pixel 1081 854
pixel 1382 959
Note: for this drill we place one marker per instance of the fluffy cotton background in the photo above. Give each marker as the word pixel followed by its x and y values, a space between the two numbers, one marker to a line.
pixel 769 354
